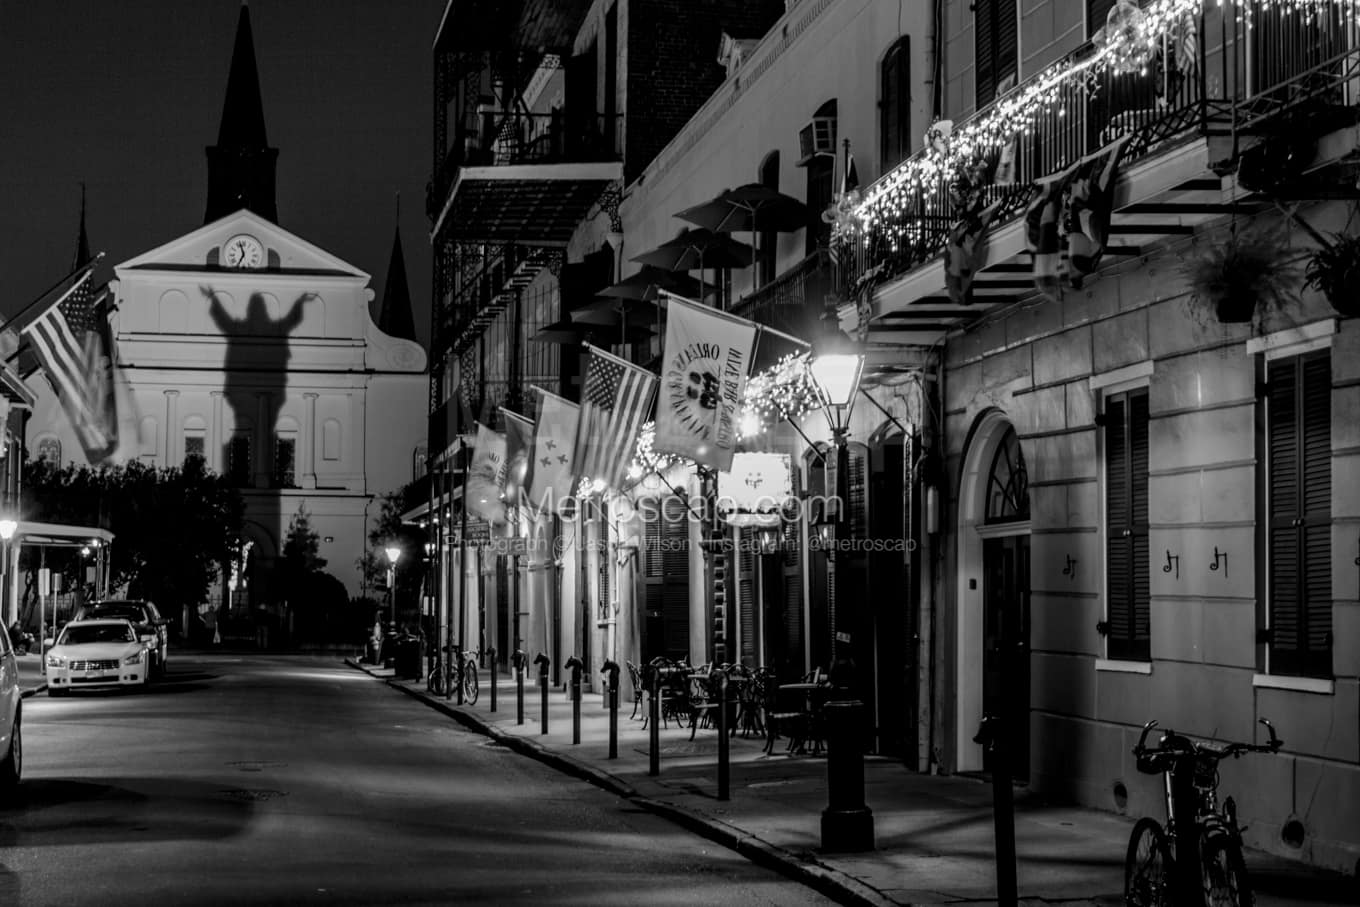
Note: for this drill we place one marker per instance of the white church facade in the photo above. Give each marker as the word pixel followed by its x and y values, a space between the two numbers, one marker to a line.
pixel 245 344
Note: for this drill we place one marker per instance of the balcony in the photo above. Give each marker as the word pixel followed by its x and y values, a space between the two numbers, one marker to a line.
pixel 1189 119
pixel 794 301
pixel 525 177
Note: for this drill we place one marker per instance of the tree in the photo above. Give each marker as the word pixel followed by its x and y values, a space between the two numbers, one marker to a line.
pixel 387 530
pixel 173 527
pixel 300 559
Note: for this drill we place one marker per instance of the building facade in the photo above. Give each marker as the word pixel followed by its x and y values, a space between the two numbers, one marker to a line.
pixel 248 346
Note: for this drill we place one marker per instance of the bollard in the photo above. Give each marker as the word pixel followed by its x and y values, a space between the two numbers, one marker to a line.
pixel 491 653
pixel 612 697
pixel 518 660
pixel 990 735
pixel 576 665
pixel 724 747
pixel 543 662
pixel 654 717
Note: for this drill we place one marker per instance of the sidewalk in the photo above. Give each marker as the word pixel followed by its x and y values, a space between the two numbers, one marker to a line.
pixel 934 835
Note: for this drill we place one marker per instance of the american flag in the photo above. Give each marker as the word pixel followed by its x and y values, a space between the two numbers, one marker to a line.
pixel 71 340
pixel 616 400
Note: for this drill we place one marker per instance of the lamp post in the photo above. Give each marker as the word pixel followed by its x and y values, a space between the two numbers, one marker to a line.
pixel 393 555
pixel 7 529
pixel 847 823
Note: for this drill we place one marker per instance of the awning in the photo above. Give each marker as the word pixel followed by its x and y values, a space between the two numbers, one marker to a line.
pixel 537 204
pixel 59 535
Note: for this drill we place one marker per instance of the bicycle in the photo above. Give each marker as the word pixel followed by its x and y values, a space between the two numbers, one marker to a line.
pixel 441 680
pixel 1200 850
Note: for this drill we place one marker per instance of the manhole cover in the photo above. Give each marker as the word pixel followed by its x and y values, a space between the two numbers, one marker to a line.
pixel 257 795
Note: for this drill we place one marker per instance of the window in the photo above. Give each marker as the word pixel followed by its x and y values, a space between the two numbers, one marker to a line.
pixel 768 240
pixel 238 459
pixel 994 24
pixel 820 161
pixel 1127 580
pixel 1298 497
pixel 330 439
pixel 49 449
pixel 1008 483
pixel 194 445
pixel 894 105
pixel 285 461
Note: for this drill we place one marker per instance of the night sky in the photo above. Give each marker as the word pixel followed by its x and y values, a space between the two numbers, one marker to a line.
pixel 124 95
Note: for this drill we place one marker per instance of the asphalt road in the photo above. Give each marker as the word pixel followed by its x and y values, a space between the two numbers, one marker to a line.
pixel 291 780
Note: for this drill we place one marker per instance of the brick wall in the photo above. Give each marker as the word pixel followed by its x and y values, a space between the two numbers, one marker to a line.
pixel 672 54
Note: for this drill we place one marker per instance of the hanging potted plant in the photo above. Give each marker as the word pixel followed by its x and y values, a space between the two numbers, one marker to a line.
pixel 1240 274
pixel 1334 269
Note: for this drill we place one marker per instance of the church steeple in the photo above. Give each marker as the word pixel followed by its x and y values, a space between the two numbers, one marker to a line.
pixel 241 165
pixel 82 240
pixel 394 318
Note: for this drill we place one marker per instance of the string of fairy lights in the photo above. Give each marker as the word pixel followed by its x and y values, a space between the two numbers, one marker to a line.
pixel 1126 44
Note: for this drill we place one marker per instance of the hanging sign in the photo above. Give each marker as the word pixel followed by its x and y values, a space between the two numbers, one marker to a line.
pixel 756 489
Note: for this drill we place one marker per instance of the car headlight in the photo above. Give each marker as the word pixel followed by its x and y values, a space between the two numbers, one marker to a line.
pixel 56 661
pixel 135 658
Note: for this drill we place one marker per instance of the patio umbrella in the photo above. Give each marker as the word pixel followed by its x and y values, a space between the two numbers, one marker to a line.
pixel 606 311
pixel 752 208
pixel 697 249
pixel 649 281
pixel 570 332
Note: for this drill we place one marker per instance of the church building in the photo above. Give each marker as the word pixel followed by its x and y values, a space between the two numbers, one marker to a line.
pixel 249 346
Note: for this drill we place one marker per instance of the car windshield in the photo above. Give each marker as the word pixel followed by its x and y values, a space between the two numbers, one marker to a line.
pixel 79 635
pixel 118 612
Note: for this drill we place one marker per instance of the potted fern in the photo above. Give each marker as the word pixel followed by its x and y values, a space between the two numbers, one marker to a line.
pixel 1334 269
pixel 1240 274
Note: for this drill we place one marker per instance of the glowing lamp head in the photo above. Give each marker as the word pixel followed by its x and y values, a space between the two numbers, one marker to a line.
pixel 393 554
pixel 836 365
pixel 8 528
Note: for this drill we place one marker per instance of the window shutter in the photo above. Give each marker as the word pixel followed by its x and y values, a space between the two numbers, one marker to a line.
pixel 675 573
pixel 1007 52
pixel 1126 516
pixel 746 594
pixel 793 591
pixel 984 38
pixel 1097 11
pixel 1299 465
pixel 895 105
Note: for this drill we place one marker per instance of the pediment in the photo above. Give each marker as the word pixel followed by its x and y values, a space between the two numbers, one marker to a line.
pixel 203 250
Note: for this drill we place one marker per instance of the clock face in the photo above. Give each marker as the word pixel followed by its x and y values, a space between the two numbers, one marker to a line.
pixel 243 251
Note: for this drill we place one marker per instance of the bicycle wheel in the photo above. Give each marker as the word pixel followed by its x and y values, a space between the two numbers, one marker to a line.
pixel 435 684
pixel 1224 872
pixel 1147 866
pixel 470 689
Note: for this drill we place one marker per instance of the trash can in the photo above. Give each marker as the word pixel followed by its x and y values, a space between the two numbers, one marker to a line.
pixel 410 656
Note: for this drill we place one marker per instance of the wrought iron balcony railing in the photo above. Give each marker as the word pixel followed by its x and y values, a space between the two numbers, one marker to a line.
pixel 506 138
pixel 793 301
pixel 1249 72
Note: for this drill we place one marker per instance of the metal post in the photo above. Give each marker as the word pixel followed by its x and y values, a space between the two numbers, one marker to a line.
pixel 491 653
pixel 612 693
pixel 576 665
pixel 518 660
pixel 654 719
pixel 462 568
pixel 847 823
pixel 724 754
pixel 992 735
pixel 543 662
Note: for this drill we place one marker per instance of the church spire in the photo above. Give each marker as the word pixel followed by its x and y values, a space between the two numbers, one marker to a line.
pixel 241 165
pixel 394 318
pixel 82 240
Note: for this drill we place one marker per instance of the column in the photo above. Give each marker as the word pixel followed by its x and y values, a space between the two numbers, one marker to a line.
pixel 308 452
pixel 172 429
pixel 264 436
pixel 217 439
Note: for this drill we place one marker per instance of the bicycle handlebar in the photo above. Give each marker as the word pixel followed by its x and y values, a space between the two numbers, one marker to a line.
pixel 1175 744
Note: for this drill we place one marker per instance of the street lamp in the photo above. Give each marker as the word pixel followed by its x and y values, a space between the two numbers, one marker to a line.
pixel 847 823
pixel 393 555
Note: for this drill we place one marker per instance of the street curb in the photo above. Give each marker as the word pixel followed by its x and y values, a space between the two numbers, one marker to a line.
pixel 833 883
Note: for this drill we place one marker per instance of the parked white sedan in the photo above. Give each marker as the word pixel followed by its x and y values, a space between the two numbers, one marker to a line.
pixel 96 653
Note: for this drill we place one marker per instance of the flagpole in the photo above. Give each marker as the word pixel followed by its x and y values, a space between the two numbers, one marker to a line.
pixel 88 266
pixel 462 576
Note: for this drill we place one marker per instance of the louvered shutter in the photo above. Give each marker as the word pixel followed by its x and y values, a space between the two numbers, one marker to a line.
pixel 793 592
pixel 1299 464
pixel 895 105
pixel 1007 52
pixel 604 601
pixel 675 573
pixel 1097 11
pixel 1126 520
pixel 997 48
pixel 746 594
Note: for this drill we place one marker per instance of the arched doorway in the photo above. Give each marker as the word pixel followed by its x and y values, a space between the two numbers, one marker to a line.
pixel 993 594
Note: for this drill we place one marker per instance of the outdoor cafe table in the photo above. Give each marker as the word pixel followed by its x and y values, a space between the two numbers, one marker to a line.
pixel 807 716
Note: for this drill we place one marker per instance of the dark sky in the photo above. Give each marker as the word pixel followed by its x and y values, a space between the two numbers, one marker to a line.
pixel 125 94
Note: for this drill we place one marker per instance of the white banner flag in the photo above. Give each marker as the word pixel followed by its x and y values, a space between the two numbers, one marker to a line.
pixel 485 476
pixel 703 378
pixel 551 473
